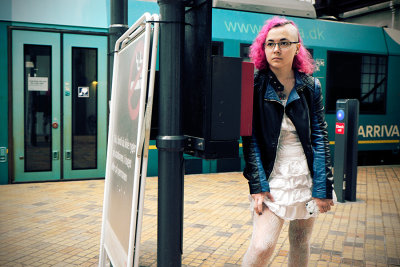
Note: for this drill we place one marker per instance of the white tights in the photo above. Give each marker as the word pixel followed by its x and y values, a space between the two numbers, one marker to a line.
pixel 266 229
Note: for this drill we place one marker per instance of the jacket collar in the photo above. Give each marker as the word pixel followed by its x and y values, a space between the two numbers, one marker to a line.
pixel 273 85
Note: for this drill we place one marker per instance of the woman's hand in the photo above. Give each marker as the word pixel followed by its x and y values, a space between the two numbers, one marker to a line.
pixel 259 200
pixel 324 204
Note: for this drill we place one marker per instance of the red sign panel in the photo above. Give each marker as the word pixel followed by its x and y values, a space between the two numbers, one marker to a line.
pixel 246 111
pixel 339 128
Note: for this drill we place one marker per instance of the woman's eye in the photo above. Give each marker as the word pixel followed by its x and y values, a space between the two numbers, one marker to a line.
pixel 284 44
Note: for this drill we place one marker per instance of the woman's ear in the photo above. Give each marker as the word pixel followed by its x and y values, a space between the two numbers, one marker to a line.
pixel 298 48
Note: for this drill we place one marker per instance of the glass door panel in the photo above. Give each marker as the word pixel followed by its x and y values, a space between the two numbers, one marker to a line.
pixel 37 107
pixel 35 94
pixel 85 106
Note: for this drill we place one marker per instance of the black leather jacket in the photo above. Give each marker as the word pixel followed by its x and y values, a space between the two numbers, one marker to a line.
pixel 305 109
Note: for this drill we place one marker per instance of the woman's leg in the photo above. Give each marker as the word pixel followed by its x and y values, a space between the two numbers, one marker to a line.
pixel 266 229
pixel 299 238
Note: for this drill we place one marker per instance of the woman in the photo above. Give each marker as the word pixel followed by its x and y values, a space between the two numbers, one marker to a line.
pixel 287 157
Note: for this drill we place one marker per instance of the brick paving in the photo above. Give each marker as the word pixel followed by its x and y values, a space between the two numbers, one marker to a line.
pixel 59 223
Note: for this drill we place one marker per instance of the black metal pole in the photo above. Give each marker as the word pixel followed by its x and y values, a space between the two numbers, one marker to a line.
pixel 170 141
pixel 118 25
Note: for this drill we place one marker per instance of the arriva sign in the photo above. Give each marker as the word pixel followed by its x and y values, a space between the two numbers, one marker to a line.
pixel 378 131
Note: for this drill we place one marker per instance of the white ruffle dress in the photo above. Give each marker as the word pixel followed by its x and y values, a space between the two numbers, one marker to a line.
pixel 290 181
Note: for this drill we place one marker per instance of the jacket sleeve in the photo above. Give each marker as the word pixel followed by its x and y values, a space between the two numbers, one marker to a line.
pixel 323 179
pixel 253 170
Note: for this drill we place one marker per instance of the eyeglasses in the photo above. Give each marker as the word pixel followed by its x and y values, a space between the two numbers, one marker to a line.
pixel 281 45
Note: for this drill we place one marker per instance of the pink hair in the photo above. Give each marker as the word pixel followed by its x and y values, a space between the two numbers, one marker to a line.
pixel 302 62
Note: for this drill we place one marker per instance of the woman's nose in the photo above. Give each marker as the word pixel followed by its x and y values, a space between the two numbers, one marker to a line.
pixel 277 48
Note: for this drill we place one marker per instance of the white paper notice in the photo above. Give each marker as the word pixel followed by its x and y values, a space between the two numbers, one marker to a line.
pixel 38 84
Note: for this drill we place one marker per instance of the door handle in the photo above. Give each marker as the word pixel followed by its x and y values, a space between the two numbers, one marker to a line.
pixel 3 154
pixel 68 154
pixel 54 125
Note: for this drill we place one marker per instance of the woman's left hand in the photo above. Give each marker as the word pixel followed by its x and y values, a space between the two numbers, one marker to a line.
pixel 324 204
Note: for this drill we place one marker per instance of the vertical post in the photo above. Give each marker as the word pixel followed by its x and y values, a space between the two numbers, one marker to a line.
pixel 118 25
pixel 352 150
pixel 346 148
pixel 170 142
pixel 340 150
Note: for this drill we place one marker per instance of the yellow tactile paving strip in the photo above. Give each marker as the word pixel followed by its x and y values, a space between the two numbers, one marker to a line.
pixel 58 224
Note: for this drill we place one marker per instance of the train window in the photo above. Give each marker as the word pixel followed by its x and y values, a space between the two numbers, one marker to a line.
pixel 359 76
pixel 245 52
pixel 217 48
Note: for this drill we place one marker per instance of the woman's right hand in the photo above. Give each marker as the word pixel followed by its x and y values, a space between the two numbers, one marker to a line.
pixel 259 200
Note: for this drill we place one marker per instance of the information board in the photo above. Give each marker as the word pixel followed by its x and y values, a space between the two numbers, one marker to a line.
pixel 126 169
pixel 38 84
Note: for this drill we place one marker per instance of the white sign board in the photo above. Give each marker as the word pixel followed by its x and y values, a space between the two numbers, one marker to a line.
pixel 126 169
pixel 38 84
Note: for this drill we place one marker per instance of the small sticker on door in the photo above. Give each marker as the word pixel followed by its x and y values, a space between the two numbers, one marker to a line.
pixel 83 91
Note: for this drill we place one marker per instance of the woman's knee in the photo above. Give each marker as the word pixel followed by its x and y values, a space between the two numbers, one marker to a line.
pixel 263 249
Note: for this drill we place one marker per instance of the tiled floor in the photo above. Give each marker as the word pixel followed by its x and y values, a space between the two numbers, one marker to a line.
pixel 59 224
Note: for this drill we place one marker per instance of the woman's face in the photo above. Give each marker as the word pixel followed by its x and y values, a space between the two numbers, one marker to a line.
pixel 280 57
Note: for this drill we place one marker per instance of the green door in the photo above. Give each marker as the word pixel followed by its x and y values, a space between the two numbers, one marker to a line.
pixel 59 105
pixel 85 105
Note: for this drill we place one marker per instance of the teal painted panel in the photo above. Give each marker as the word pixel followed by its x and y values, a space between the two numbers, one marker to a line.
pixel 231 48
pixel 152 163
pixel 137 8
pixel 230 24
pixel 3 99
pixel 393 85
pixel 88 13
pixel 244 26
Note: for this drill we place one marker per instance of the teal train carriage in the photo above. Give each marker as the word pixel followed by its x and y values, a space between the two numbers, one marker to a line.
pixel 352 61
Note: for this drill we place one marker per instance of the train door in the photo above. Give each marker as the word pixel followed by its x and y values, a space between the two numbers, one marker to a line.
pixel 85 105
pixel 59 105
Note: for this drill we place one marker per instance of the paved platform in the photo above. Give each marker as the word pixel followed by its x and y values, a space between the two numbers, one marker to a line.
pixel 59 224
